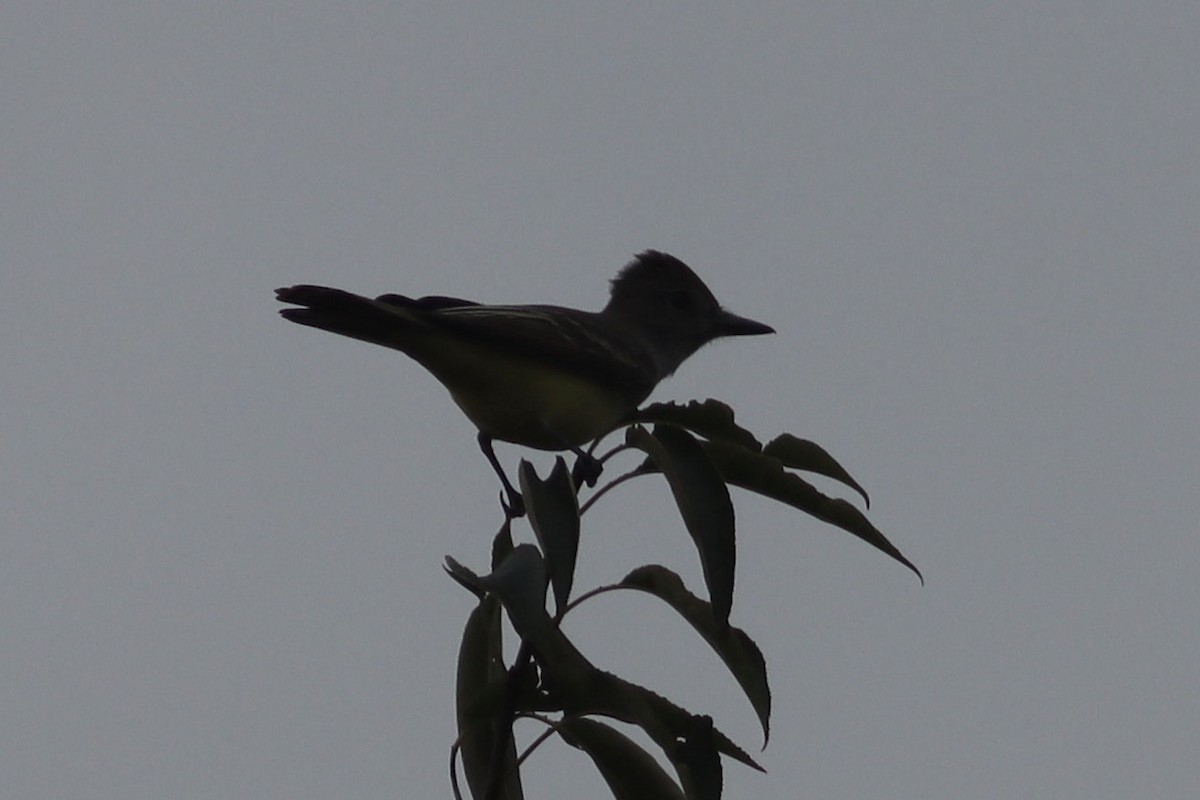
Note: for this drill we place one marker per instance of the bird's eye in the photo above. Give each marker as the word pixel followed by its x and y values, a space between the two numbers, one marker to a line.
pixel 680 301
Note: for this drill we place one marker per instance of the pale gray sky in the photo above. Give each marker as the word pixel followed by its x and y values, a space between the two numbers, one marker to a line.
pixel 975 228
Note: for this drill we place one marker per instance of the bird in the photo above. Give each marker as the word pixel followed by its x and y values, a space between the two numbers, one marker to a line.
pixel 542 376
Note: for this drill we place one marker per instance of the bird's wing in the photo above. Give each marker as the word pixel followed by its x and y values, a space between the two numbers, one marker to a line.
pixel 575 341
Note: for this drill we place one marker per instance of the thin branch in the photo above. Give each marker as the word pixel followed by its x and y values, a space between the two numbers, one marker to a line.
pixel 454 771
pixel 600 492
pixel 551 729
pixel 610 587
pixel 620 448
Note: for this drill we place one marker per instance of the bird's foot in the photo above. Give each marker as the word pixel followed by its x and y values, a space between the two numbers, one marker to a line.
pixel 587 469
pixel 514 506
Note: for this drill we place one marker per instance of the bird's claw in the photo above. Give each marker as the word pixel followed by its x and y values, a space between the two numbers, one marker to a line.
pixel 514 506
pixel 587 470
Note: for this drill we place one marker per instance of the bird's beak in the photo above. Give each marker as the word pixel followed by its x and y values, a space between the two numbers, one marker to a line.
pixel 732 325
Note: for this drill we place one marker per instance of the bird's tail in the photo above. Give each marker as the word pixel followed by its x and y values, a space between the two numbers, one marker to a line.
pixel 387 322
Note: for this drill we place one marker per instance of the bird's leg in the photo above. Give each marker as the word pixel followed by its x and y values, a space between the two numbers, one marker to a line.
pixel 515 507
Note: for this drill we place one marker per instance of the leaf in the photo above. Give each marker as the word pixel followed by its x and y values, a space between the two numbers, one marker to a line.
pixel 696 760
pixel 712 419
pixel 520 583
pixel 663 721
pixel 502 542
pixel 480 686
pixel 574 684
pixel 811 457
pixel 630 772
pixel 465 578
pixel 735 648
pixel 765 475
pixel 703 500
pixel 554 516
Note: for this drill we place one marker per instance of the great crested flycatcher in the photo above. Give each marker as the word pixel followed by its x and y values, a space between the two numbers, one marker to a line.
pixel 547 377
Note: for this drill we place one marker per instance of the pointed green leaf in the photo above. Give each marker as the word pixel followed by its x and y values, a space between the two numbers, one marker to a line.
pixel 502 543
pixel 739 652
pixel 575 685
pixel 607 695
pixel 465 578
pixel 811 457
pixel 766 476
pixel 516 583
pixel 703 500
pixel 520 583
pixel 697 762
pixel 712 419
pixel 630 772
pixel 478 701
pixel 554 516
